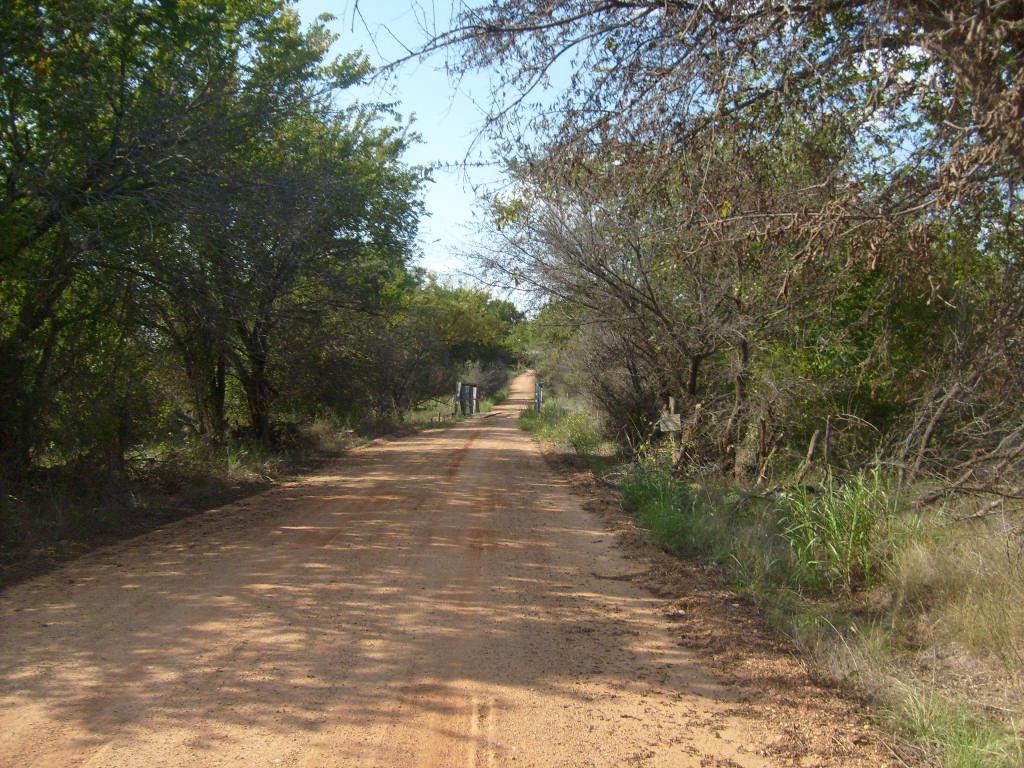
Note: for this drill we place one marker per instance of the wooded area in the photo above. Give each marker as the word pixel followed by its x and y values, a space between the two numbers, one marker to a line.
pixel 203 237
pixel 793 217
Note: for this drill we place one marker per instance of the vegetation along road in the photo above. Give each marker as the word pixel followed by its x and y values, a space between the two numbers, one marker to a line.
pixel 436 600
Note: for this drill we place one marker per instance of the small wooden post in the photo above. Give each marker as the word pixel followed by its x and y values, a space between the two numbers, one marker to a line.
pixel 677 432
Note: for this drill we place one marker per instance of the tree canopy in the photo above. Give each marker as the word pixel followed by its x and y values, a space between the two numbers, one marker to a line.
pixel 787 215
pixel 201 233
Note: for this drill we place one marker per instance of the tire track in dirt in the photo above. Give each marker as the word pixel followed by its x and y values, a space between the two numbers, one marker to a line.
pixel 437 600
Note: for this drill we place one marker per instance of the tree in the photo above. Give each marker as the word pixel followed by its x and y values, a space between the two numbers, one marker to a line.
pixel 772 162
pixel 110 110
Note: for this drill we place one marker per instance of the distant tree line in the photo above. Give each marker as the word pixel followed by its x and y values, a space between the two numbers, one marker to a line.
pixel 198 238
pixel 801 219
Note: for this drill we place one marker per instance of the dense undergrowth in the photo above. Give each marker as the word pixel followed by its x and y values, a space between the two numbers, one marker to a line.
pixel 920 609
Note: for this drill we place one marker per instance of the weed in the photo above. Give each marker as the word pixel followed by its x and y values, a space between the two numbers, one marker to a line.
pixel 958 735
pixel 833 532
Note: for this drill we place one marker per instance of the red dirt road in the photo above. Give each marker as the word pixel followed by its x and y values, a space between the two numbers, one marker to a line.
pixel 437 600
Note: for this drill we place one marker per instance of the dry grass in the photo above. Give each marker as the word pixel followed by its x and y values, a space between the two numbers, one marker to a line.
pixel 939 645
pixel 967 583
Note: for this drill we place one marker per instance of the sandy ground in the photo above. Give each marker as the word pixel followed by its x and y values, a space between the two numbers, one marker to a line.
pixel 437 600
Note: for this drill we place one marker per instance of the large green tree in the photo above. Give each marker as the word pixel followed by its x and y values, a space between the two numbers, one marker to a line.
pixel 112 112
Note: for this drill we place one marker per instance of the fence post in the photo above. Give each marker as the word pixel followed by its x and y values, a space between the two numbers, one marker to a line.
pixel 457 406
pixel 538 395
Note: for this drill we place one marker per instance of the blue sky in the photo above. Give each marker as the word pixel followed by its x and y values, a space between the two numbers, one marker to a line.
pixel 448 118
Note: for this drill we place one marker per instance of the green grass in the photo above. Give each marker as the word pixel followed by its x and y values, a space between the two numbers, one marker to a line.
pixel 827 541
pixel 572 426
pixel 836 532
pixel 488 403
pixel 681 519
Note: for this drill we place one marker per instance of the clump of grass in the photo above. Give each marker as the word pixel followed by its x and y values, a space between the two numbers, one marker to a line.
pixel 330 435
pixel 834 531
pixel 488 403
pixel 959 736
pixel 806 556
pixel 681 520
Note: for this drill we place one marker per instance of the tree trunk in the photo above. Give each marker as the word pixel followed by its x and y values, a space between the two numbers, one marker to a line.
pixel 252 370
pixel 17 414
pixel 25 360
pixel 218 422
pixel 733 427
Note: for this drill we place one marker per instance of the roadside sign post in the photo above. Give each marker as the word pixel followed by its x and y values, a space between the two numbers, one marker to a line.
pixel 671 422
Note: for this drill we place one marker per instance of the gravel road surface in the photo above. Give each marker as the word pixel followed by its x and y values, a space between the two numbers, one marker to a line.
pixel 436 600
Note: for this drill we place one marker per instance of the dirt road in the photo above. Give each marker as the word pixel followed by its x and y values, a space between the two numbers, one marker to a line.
pixel 437 600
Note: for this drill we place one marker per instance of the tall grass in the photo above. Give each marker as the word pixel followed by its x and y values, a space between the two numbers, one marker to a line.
pixel 959 736
pixel 566 423
pixel 835 532
pixel 825 540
